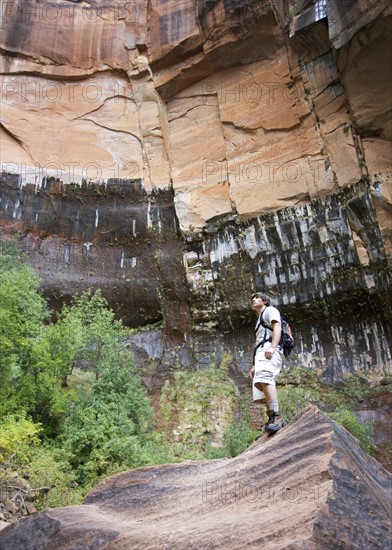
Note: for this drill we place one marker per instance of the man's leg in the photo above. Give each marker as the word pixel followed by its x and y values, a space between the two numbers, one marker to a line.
pixel 275 419
pixel 270 392
pixel 271 397
pixel 266 371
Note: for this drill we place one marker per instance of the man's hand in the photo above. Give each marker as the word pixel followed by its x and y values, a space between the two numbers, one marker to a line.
pixel 252 372
pixel 269 352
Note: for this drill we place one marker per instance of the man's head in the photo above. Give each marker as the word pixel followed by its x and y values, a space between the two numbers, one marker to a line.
pixel 259 300
pixel 266 299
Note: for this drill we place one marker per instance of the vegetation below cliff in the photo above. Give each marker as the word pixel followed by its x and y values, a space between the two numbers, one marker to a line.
pixel 74 409
pixel 72 404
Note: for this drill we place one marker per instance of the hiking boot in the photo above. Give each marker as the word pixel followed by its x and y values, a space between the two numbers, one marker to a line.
pixel 275 422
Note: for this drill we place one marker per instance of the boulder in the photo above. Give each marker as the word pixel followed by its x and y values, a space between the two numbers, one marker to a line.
pixel 308 487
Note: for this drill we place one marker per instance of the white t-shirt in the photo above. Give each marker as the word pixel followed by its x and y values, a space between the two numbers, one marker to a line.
pixel 270 313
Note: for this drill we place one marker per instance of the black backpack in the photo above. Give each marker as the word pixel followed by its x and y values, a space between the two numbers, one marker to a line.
pixel 286 339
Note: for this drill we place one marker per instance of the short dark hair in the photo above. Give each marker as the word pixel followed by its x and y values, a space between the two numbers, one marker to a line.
pixel 266 299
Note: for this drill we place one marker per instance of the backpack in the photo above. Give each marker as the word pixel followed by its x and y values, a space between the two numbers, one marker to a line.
pixel 286 339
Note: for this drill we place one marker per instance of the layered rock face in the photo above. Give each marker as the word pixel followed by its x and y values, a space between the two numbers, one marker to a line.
pixel 309 487
pixel 219 147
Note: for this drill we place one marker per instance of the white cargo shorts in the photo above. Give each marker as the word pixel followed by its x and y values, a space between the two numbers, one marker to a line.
pixel 266 370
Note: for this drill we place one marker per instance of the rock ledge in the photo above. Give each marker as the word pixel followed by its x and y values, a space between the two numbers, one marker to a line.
pixel 308 487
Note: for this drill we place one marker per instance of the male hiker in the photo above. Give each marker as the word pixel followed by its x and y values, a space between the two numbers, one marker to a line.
pixel 267 359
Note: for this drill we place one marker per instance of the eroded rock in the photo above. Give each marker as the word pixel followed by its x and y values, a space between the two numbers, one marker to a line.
pixel 308 487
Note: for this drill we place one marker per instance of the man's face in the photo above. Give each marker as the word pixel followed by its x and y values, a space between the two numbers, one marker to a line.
pixel 256 303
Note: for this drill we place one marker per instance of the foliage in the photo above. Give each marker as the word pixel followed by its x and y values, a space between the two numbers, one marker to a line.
pixel 73 384
pixel 293 400
pixel 49 470
pixel 18 436
pixel 206 414
pixel 298 388
pixel 27 378
pixel 297 376
pixel 240 434
pixel 85 333
pixel 301 387
pixel 22 314
pixel 354 389
pixel 11 256
pixel 196 407
pixel 361 430
pixel 107 431
pixel 238 437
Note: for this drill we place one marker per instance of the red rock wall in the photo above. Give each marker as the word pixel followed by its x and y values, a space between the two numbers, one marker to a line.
pixel 249 119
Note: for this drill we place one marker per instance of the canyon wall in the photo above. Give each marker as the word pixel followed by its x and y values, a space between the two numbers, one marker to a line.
pixel 180 155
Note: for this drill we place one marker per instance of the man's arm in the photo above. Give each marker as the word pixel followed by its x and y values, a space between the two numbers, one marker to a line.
pixel 276 334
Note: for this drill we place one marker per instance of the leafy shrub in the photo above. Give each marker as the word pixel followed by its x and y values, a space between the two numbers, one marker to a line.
pixel 361 430
pixel 238 437
pixel 111 430
pixel 75 383
pixel 17 438
pixel 293 400
pixel 299 376
pixel 354 390
pixel 51 477
pixel 85 334
pixel 196 408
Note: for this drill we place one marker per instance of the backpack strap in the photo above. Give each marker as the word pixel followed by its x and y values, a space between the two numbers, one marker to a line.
pixel 262 323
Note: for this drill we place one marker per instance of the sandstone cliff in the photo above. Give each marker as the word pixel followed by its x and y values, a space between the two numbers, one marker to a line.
pixel 309 487
pixel 233 145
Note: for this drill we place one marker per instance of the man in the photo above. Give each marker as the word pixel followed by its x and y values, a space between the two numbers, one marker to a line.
pixel 267 359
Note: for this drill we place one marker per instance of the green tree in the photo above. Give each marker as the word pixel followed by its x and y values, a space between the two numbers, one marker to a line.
pixel 85 334
pixel 111 429
pixel 22 314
